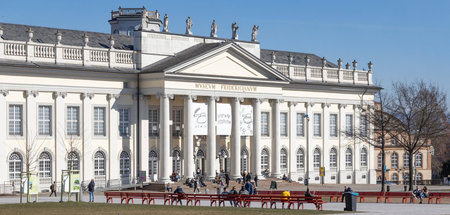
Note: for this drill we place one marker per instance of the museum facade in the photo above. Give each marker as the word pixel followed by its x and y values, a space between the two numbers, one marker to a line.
pixel 145 99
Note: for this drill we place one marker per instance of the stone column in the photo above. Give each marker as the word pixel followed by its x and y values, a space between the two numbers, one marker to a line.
pixel 211 155
pixel 188 138
pixel 60 147
pixel 325 155
pixel 276 143
pixel 256 148
pixel 235 138
pixel 31 122
pixel 113 172
pixel 292 135
pixel 87 168
pixel 143 125
pixel 164 170
pixel 3 134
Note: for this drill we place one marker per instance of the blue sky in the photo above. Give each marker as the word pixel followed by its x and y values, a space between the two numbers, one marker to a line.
pixel 406 40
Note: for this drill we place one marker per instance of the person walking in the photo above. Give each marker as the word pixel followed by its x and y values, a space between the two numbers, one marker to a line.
pixel 227 179
pixel 196 186
pixel 53 189
pixel 256 180
pixel 91 188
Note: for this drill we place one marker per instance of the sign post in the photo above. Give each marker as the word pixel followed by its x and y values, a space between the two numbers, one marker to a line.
pixel 322 173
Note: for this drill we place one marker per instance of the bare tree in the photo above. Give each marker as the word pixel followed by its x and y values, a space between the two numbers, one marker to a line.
pixel 418 108
pixel 380 120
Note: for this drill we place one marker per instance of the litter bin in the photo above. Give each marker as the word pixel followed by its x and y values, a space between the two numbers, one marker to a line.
pixel 350 201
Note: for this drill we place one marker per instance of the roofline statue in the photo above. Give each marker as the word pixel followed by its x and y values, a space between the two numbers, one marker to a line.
pixel 189 26
pixel 166 23
pixel 214 29
pixel 255 33
pixel 234 28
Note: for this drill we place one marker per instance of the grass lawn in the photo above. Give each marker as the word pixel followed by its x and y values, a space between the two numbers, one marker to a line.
pixel 117 209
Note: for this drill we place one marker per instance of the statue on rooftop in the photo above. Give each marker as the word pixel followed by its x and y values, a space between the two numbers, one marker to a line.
pixel 157 14
pixel 234 28
pixel 166 23
pixel 255 33
pixel 214 29
pixel 188 25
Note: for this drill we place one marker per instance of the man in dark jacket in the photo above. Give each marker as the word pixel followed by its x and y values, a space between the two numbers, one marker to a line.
pixel 91 188
pixel 180 193
pixel 227 179
pixel 53 188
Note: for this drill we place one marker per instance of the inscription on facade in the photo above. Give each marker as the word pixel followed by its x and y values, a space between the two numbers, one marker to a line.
pixel 226 87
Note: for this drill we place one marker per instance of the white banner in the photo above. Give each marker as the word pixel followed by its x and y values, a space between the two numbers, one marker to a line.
pixel 246 120
pixel 200 118
pixel 223 119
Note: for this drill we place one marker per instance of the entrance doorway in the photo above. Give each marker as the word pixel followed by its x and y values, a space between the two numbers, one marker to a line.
pixel 200 162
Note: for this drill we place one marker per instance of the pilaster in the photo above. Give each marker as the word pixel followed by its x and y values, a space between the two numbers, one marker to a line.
pixel 3 134
pixel 143 148
pixel 292 165
pixel 86 130
pixel 60 135
pixel 113 174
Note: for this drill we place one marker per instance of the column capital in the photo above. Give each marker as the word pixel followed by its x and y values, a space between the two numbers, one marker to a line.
pixel 292 104
pixel 258 100
pixel 356 107
pixel 276 100
pixel 57 94
pixel 326 105
pixel 165 95
pixel 239 99
pixel 86 95
pixel 309 104
pixel 28 93
pixel 4 92
pixel 190 97
pixel 216 98
pixel 112 96
pixel 342 106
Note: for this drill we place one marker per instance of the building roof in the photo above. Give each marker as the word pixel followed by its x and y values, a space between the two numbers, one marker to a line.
pixel 69 37
pixel 182 56
pixel 299 58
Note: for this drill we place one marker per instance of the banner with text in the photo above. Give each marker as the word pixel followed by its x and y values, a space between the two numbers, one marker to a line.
pixel 200 118
pixel 223 119
pixel 246 120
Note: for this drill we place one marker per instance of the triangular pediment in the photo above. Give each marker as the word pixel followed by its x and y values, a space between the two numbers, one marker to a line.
pixel 227 60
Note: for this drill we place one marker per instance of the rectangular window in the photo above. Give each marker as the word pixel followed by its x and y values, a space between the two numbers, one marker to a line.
pixel 283 124
pixel 264 123
pixel 45 120
pixel 363 125
pixel 317 125
pixel 124 122
pixel 300 124
pixel 153 122
pixel 349 125
pixel 73 120
pixel 333 125
pixel 15 120
pixel 99 121
pixel 177 119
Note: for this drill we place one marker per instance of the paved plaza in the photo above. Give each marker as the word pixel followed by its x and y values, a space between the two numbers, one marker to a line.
pixel 367 208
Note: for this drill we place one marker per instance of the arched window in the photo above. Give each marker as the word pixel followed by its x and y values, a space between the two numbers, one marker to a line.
pixel 348 158
pixel 99 164
pixel 406 160
pixel 73 161
pixel 300 159
pixel 333 158
pixel 264 160
pixel 176 161
pixel 380 160
pixel 124 164
pixel 45 165
pixel 363 157
pixel 153 165
pixel 419 160
pixel 316 158
pixel 394 177
pixel 15 165
pixel 394 160
pixel 244 160
pixel 419 177
pixel 283 159
pixel 224 161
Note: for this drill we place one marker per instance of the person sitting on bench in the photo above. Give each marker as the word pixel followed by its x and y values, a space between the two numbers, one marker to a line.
pixel 418 194
pixel 179 191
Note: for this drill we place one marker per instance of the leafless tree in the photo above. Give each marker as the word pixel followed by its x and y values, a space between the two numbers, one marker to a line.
pixel 377 117
pixel 418 108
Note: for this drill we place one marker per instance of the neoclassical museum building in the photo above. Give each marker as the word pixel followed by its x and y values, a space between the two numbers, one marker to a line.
pixel 142 98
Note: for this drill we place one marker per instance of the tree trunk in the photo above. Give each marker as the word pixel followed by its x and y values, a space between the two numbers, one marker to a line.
pixel 383 163
pixel 411 170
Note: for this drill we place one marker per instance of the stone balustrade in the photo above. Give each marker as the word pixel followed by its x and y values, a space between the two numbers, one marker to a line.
pixel 325 74
pixel 65 54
